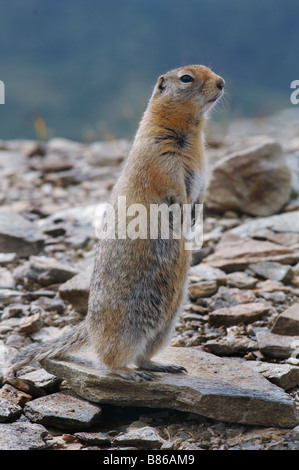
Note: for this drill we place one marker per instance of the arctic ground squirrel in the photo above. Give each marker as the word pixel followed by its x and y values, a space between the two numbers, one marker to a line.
pixel 139 285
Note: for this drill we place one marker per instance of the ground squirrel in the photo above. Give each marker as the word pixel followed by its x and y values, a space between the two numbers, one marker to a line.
pixel 138 285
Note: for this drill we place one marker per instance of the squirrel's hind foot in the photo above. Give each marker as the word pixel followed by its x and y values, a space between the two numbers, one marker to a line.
pixel 158 367
pixel 137 376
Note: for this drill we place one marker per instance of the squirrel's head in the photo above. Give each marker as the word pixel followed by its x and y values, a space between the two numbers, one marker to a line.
pixel 195 84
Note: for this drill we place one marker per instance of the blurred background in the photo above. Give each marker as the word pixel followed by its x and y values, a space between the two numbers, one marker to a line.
pixel 84 70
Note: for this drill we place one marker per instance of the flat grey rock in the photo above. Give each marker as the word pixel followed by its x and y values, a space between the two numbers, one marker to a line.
pixel 218 388
pixel 237 251
pixel 277 346
pixel 8 411
pixel 285 376
pixel 236 314
pixel 22 436
pixel 44 271
pixel 42 379
pixel 207 273
pixel 62 411
pixel 18 235
pixel 94 438
pixel 144 438
pixel 287 323
pixel 272 270
pixel 285 222
pixel 76 290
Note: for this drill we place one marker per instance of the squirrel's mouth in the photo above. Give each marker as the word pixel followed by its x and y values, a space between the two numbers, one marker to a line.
pixel 215 98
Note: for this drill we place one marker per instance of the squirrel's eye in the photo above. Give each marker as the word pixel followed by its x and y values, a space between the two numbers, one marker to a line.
pixel 186 79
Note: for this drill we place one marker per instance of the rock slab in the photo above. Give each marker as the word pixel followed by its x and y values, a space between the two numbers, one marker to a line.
pixel 18 235
pixel 285 222
pixel 62 411
pixel 277 346
pixel 255 180
pixel 287 323
pixel 218 388
pixel 22 436
pixel 236 314
pixel 236 252
pixel 76 290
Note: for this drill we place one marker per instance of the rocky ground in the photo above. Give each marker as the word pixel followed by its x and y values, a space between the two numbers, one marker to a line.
pixel 239 333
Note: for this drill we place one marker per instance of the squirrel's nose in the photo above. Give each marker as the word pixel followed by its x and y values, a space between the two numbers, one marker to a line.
pixel 220 83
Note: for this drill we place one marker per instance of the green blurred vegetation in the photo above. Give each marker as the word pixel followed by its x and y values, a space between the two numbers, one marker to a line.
pixel 87 67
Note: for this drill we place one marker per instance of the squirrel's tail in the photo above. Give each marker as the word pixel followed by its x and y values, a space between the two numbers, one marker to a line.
pixel 69 341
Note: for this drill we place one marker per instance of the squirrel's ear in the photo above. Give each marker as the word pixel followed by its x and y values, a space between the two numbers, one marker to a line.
pixel 161 83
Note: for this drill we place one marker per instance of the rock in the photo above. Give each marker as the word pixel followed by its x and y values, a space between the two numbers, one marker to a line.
pixel 62 411
pixel 293 163
pixel 55 230
pixel 285 222
pixel 108 153
pixel 207 273
pixel 241 280
pixel 230 345
pixel 234 252
pixel 64 146
pixel 218 388
pixel 255 181
pixel 94 438
pixel 296 269
pixel 18 235
pixel 8 411
pixel 11 163
pixel 26 147
pixel 202 289
pixel 295 433
pixel 9 296
pixel 48 333
pixel 30 324
pixel 40 378
pixel 52 162
pixel 270 286
pixel 44 271
pixel 244 313
pixel 284 238
pixel 15 310
pixel 6 279
pixel 22 436
pixel 272 270
pixel 79 215
pixel 230 296
pixel 142 438
pixel 277 346
pixel 6 258
pixel 76 290
pixel 199 254
pixel 285 376
pixel 46 304
pixel 14 395
pixel 277 297
pixel 287 323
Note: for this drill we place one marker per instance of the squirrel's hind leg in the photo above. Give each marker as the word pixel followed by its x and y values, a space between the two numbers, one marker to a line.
pixel 116 355
pixel 143 361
